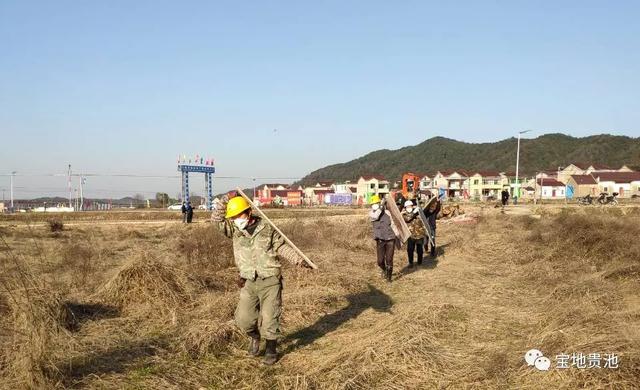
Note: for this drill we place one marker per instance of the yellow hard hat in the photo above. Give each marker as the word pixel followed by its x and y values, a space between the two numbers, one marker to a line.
pixel 374 199
pixel 237 206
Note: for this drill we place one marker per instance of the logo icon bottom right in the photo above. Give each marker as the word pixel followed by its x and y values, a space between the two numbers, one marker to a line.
pixel 535 358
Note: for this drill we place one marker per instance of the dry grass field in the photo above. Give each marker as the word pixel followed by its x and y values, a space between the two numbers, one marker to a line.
pixel 137 305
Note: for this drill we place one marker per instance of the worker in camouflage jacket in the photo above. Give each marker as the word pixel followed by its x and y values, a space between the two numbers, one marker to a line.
pixel 415 243
pixel 257 248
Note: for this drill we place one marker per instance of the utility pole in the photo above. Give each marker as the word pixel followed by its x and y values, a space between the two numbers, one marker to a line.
pixel 11 192
pixel 69 184
pixel 81 193
pixel 517 188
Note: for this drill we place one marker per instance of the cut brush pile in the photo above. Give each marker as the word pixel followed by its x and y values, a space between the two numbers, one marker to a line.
pixel 147 282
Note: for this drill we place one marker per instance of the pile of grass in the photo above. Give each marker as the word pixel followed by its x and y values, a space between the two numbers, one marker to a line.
pixel 147 283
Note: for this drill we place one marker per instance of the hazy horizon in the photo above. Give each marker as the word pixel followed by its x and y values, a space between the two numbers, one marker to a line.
pixel 104 184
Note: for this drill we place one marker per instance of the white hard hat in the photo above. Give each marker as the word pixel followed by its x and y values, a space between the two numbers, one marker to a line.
pixel 408 203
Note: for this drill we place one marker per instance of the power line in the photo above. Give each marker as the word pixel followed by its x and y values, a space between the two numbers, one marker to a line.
pixel 142 176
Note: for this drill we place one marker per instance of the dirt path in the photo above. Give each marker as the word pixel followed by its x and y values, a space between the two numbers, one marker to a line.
pixel 456 309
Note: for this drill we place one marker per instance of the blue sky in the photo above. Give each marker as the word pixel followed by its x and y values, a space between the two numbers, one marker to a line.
pixel 124 87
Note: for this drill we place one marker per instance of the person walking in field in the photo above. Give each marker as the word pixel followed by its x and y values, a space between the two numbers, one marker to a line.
pixel 184 212
pixel 385 235
pixel 257 248
pixel 431 211
pixel 415 243
pixel 505 197
pixel 189 212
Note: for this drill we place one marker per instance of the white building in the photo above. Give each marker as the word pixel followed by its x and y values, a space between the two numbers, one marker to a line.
pixel 369 186
pixel 625 184
pixel 548 188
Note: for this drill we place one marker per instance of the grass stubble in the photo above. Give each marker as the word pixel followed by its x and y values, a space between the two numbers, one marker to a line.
pixel 151 306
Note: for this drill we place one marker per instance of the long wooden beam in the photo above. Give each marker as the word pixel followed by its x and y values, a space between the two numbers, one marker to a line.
pixel 286 239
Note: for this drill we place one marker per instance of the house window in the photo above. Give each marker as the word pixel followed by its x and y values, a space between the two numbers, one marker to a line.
pixel 372 186
pixel 475 181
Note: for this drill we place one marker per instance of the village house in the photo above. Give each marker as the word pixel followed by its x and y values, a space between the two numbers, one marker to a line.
pixel 318 195
pixel 626 184
pixel 486 184
pixel 563 174
pixel 581 185
pixel 528 192
pixel 264 192
pixel 321 185
pixel 453 183
pixel 314 195
pixel 369 186
pixel 281 194
pixel 427 183
pixel 347 188
pixel 548 188
pixel 509 182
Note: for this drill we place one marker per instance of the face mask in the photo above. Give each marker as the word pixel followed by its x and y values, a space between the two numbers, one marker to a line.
pixel 375 207
pixel 241 223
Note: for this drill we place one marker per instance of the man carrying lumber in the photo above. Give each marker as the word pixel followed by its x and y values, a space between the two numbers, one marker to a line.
pixel 411 215
pixel 385 235
pixel 256 249
pixel 431 211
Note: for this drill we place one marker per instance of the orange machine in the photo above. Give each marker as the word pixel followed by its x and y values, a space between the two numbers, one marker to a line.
pixel 410 183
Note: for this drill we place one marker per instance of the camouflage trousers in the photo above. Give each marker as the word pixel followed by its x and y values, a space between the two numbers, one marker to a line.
pixel 260 307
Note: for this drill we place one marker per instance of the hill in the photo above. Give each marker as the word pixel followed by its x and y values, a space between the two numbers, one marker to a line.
pixel 547 152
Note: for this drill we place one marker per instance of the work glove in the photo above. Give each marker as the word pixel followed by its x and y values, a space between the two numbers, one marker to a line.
pixel 287 253
pixel 240 282
pixel 219 209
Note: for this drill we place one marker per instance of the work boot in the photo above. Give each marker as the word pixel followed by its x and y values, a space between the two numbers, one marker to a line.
pixel 389 273
pixel 254 344
pixel 270 353
pixel 383 273
pixel 410 265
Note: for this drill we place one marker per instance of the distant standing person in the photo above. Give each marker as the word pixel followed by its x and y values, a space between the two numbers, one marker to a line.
pixel 189 212
pixel 411 215
pixel 184 212
pixel 431 212
pixel 385 235
pixel 505 197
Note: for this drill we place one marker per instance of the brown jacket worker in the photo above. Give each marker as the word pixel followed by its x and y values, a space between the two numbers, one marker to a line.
pixel 256 249
pixel 431 212
pixel 411 215
pixel 384 234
